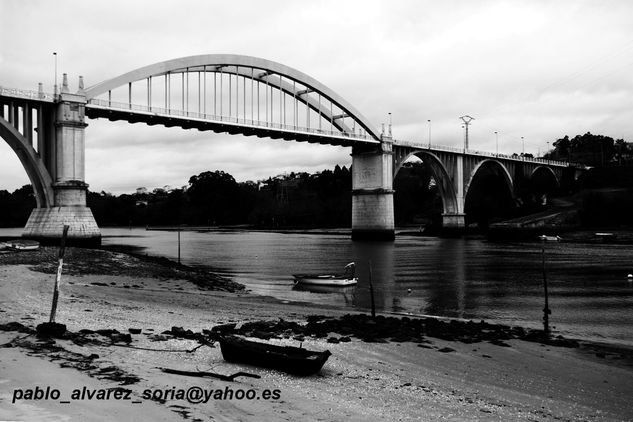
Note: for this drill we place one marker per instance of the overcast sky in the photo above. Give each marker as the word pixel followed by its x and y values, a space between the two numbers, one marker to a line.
pixel 537 69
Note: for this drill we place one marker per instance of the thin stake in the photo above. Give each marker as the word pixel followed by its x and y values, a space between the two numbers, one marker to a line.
pixel 371 294
pixel 546 310
pixel 178 244
pixel 58 278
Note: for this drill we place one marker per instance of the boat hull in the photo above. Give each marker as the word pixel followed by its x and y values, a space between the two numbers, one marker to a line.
pixel 21 245
pixel 315 288
pixel 325 280
pixel 289 359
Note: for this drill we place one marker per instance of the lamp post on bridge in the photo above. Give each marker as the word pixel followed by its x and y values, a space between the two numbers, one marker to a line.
pixel 497 141
pixel 55 86
pixel 523 148
pixel 429 133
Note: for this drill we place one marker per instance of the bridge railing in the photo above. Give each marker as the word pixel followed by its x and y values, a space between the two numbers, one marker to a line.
pixel 26 94
pixel 185 114
pixel 446 148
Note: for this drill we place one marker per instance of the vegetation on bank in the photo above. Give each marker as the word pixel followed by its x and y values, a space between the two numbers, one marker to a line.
pixel 603 195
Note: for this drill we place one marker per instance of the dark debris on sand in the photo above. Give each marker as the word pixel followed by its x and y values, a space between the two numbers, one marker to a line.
pixel 47 347
pixel 81 261
pixel 384 328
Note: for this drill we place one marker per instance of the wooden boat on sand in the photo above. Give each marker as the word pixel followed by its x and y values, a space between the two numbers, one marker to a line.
pixel 20 245
pixel 290 359
pixel 340 280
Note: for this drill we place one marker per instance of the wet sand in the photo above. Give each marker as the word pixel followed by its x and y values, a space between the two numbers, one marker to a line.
pixel 418 379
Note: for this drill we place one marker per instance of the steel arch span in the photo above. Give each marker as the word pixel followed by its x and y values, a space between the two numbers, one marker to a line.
pixel 304 89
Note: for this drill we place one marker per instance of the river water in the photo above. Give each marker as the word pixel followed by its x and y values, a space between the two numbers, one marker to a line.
pixel 589 294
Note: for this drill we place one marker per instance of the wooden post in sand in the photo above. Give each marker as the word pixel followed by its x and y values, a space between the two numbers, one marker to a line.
pixel 371 294
pixel 62 248
pixel 546 310
pixel 179 227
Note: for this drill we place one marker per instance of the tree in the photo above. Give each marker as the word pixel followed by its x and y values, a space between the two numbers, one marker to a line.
pixel 216 196
pixel 592 150
pixel 16 207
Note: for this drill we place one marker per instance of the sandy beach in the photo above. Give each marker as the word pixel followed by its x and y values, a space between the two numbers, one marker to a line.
pixel 98 375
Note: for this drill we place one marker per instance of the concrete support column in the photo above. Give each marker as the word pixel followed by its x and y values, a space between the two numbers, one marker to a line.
pixel 68 173
pixel 372 192
pixel 456 221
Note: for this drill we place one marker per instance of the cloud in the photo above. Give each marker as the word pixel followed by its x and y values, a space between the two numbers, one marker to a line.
pixel 533 69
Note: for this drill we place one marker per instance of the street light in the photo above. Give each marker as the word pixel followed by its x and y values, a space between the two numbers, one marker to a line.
pixel 497 141
pixel 429 133
pixel 523 147
pixel 55 86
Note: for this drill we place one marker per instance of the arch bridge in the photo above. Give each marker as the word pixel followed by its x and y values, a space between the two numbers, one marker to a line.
pixel 226 94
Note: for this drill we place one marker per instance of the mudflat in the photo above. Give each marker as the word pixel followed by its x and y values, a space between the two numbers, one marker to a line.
pixel 127 317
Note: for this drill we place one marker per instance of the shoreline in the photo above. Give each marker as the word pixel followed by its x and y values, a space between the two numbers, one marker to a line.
pixel 590 235
pixel 163 267
pixel 422 378
pixel 136 252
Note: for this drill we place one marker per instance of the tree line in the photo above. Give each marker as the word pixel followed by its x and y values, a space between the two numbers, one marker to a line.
pixel 592 150
pixel 215 198
pixel 321 199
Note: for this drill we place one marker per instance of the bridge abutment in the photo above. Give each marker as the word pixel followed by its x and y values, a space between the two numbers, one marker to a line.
pixel 68 173
pixel 372 192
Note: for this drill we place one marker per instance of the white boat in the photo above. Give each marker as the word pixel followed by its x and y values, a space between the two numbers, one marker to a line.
pixel 550 238
pixel 339 280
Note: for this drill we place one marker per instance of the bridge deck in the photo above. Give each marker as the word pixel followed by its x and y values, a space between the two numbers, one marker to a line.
pixel 220 124
pixel 96 108
pixel 444 148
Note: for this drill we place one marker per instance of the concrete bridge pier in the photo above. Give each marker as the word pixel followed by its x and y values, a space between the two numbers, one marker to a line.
pixel 67 169
pixel 454 222
pixel 372 191
pixel 455 219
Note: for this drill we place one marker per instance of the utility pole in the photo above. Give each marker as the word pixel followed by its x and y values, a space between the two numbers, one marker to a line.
pixel 466 119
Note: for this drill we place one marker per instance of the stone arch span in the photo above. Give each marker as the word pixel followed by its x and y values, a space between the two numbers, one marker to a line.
pixel 489 191
pixel 545 173
pixel 442 178
pixel 274 74
pixel 38 175
pixel 493 164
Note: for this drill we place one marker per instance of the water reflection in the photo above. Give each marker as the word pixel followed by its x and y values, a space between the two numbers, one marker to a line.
pixel 374 260
pixel 348 293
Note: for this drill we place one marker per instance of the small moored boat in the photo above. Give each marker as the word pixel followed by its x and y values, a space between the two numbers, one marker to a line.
pixel 550 238
pixel 290 359
pixel 342 280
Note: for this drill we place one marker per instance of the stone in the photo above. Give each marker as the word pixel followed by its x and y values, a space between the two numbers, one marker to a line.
pixel 51 330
